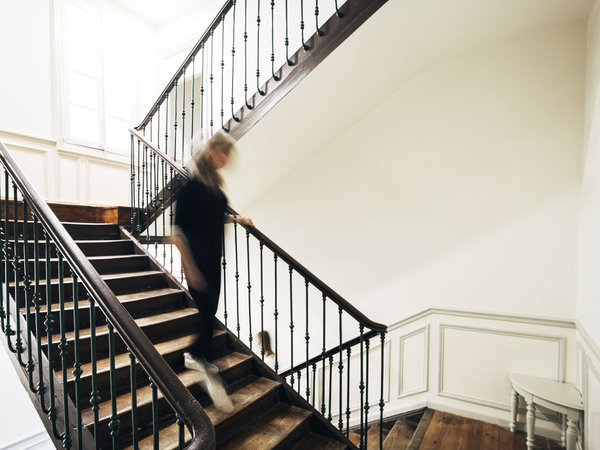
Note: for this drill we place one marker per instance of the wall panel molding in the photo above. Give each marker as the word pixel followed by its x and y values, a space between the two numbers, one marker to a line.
pixel 425 362
pixel 560 341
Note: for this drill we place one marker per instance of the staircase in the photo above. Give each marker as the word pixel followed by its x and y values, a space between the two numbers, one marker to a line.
pixel 267 413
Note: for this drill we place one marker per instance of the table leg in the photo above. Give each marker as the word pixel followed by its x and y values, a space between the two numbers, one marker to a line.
pixel 571 433
pixel 514 403
pixel 531 426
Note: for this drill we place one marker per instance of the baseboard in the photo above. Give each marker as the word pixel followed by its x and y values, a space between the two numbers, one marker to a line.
pixel 38 441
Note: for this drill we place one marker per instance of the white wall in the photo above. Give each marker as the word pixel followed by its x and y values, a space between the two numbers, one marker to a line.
pixel 588 306
pixel 460 190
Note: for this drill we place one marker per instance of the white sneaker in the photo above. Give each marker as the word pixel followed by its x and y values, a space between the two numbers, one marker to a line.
pixel 218 394
pixel 201 365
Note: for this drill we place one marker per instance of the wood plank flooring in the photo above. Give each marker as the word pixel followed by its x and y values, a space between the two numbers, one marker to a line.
pixel 448 431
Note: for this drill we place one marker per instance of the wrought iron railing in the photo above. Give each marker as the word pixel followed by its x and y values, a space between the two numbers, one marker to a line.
pixel 252 54
pixel 47 279
pixel 266 290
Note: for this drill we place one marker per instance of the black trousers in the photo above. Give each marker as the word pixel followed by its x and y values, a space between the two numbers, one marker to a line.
pixel 207 304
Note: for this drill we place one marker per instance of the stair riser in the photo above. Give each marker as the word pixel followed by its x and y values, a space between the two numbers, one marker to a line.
pixel 88 248
pixel 156 332
pixel 296 435
pixel 92 231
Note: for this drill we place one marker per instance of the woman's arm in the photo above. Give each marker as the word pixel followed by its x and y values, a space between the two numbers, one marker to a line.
pixel 230 218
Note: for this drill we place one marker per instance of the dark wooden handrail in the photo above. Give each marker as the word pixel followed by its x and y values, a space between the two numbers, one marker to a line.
pixel 177 395
pixel 186 63
pixel 282 254
pixel 332 351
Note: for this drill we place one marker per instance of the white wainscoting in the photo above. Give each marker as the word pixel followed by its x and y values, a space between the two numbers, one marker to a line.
pixel 71 176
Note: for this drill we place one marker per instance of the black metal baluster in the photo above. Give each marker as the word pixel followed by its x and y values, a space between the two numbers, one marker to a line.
pixel 63 346
pixel 323 356
pixel 381 399
pixel 337 10
pixel 166 124
pixel 77 371
pixel 249 290
pixel 155 418
pixel 223 72
pixel 15 263
pixel 37 300
pixel 145 185
pixel 52 413
pixel 114 423
pixel 258 51
pixel 193 101
pixel 175 124
pixel 299 376
pixel 348 352
pixel 181 432
pixel 262 305
pixel 28 300
pixel 291 328
pixel 362 388
pixel 287 39
pixel 304 45
pixel 133 388
pixel 211 79
pixel 237 279
pixel 155 207
pixel 319 31
pixel 202 94
pixel 367 344
pixel 140 194
pixel 237 119
pixel 276 316
pixel 132 179
pixel 95 394
pixel 171 194
pixel 183 120
pixel 341 370
pixel 330 386
pixel 246 55
pixel 275 77
pixel 224 264
pixel 314 380
pixel 307 339
pixel 162 207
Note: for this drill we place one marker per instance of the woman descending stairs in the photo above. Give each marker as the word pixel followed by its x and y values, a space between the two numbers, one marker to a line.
pixel 267 413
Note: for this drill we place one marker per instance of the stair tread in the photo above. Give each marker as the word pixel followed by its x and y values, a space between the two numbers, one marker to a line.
pixel 108 276
pixel 271 429
pixel 400 435
pixel 141 322
pixel 313 441
pixel 125 298
pixel 241 398
pixel 164 348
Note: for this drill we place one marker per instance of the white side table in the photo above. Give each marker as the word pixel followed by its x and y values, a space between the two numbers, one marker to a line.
pixel 563 398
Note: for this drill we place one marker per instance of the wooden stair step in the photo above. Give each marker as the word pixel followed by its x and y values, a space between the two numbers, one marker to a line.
pixel 256 392
pixel 105 277
pixel 105 247
pixel 142 322
pixel 419 434
pixel 373 437
pixel 124 299
pixel 277 428
pixel 354 438
pixel 400 435
pixel 97 231
pixel 313 441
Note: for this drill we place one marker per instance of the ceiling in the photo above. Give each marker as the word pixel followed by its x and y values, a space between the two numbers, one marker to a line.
pixel 159 13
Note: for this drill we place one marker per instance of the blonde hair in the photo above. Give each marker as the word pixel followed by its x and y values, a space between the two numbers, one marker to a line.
pixel 201 165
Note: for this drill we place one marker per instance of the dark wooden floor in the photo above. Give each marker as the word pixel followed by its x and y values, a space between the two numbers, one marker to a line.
pixel 449 432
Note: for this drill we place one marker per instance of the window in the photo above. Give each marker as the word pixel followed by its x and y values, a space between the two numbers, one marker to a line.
pixel 97 87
